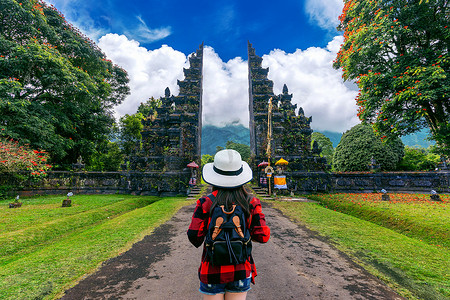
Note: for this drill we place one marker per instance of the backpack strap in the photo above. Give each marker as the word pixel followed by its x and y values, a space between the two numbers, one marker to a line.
pixel 228 212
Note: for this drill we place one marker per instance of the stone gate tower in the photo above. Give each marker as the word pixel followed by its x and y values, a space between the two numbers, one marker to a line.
pixel 291 131
pixel 173 139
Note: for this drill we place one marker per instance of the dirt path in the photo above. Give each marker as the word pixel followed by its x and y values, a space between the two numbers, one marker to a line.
pixel 294 264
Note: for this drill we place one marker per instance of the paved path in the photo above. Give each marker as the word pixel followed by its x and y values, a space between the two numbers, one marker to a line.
pixel 294 264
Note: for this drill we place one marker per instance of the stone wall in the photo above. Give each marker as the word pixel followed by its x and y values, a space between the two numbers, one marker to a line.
pixel 175 183
pixel 137 183
pixel 422 182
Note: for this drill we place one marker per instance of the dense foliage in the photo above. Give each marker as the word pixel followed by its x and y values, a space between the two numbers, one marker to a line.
pixel 57 89
pixel 109 158
pixel 206 159
pixel 398 53
pixel 244 150
pixel 325 145
pixel 130 132
pixel 148 108
pixel 418 159
pixel 360 144
pixel 213 136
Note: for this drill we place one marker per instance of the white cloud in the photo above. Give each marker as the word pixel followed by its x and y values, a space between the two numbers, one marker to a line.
pixel 225 89
pixel 150 71
pixel 317 87
pixel 324 13
pixel 309 75
pixel 144 34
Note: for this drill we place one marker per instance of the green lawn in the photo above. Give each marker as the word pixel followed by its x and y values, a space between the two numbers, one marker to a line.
pixel 43 209
pixel 413 215
pixel 418 268
pixel 45 248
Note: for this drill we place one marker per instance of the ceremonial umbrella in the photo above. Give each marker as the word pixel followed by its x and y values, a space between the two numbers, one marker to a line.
pixel 281 162
pixel 263 164
pixel 192 165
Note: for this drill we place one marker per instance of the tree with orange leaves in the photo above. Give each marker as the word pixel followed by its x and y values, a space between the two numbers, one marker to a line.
pixel 397 51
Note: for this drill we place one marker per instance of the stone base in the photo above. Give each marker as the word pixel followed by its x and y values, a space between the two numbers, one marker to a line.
pixel 435 197
pixel 67 203
pixel 385 197
pixel 15 204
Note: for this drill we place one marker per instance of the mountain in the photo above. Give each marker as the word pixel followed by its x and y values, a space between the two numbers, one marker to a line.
pixel 335 137
pixel 213 136
pixel 418 139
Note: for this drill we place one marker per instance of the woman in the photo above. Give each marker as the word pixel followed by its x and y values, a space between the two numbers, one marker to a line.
pixel 227 175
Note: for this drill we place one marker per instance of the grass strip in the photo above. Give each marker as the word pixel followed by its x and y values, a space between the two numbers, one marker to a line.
pixel 414 268
pixel 46 273
pixel 15 244
pixel 413 215
pixel 41 209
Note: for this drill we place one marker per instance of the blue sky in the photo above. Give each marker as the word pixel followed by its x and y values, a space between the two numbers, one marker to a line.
pixel 153 39
pixel 224 25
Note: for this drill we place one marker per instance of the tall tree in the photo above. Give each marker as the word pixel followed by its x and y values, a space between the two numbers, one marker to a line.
pixel 398 53
pixel 148 108
pixel 57 89
pixel 325 145
pixel 244 150
pixel 130 132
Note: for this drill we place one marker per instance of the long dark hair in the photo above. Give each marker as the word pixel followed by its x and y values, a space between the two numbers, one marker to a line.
pixel 228 197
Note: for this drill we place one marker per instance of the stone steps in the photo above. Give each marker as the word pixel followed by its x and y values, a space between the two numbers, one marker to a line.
pixel 195 192
pixel 260 193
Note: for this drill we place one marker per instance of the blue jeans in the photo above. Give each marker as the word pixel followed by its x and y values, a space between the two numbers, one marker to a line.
pixel 239 286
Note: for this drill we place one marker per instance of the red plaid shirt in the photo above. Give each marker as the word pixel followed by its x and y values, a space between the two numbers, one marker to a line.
pixel 210 274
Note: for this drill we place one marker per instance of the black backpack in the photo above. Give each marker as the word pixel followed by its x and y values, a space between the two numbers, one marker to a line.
pixel 228 241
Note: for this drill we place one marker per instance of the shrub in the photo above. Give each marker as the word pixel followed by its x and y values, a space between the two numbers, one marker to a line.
pixel 15 158
pixel 109 160
pixel 359 144
pixel 206 158
pixel 418 159
pixel 325 145
pixel 244 150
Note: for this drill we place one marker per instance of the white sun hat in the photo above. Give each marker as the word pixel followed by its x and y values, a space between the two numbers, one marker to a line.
pixel 228 170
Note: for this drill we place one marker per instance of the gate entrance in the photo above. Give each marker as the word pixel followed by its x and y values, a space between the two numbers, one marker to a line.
pixel 173 140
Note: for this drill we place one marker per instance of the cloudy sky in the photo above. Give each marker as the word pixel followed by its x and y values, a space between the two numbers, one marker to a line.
pixel 152 40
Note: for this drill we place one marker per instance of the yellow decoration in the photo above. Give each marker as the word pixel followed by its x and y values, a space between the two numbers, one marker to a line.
pixel 281 162
pixel 279 182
